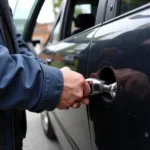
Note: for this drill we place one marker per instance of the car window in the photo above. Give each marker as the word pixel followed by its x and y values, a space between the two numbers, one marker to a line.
pixel 12 4
pixel 83 11
pixel 128 5
pixel 21 12
pixel 78 10
pixel 44 23
pixel 79 15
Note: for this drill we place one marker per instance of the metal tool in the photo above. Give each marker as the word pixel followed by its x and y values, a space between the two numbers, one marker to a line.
pixel 100 87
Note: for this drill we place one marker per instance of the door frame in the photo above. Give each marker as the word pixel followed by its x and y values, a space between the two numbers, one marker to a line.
pixel 30 25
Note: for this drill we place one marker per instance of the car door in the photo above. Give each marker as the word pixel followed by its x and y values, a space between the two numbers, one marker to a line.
pixel 71 125
pixel 123 42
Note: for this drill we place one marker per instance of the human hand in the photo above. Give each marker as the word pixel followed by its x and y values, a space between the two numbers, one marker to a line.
pixel 75 90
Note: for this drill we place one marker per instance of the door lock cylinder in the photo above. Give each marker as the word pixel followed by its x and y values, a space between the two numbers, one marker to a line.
pixel 100 87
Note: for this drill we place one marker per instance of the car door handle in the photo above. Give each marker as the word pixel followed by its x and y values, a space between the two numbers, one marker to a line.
pixel 100 87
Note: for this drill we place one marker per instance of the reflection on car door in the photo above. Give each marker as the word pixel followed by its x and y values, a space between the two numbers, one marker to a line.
pixel 74 122
pixel 123 44
pixel 72 52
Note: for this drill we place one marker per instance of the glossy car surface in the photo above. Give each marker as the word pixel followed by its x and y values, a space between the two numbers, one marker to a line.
pixel 120 38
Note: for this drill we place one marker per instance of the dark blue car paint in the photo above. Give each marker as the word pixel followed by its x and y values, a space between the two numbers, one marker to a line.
pixel 120 43
pixel 125 123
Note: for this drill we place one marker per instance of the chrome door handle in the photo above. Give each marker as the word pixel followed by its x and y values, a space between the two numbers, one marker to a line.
pixel 100 87
pixel 95 85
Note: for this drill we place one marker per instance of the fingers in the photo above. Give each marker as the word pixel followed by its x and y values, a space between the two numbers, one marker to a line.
pixel 85 101
pixel 66 108
pixel 83 91
pixel 76 105
pixel 75 89
pixel 86 89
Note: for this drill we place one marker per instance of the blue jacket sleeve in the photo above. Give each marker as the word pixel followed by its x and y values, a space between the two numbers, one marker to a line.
pixel 26 83
pixel 24 49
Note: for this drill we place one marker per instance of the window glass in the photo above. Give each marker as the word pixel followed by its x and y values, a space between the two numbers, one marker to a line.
pixel 128 5
pixel 21 12
pixel 44 23
pixel 12 4
pixel 83 16
pixel 78 10
pixel 82 9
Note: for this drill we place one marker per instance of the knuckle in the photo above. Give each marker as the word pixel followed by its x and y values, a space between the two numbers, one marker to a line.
pixel 79 96
pixel 81 79
pixel 76 105
pixel 80 76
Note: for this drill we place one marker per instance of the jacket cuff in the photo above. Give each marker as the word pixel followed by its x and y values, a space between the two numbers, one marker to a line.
pixel 52 88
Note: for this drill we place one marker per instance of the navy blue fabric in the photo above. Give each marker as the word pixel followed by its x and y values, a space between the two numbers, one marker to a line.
pixel 26 83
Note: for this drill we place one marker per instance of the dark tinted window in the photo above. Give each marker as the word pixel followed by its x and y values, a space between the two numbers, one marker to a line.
pixel 82 14
pixel 128 5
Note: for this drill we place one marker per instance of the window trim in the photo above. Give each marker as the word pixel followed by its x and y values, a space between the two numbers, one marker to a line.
pixel 64 17
pixel 101 11
pixel 30 25
pixel 143 7
pixel 59 18
pixel 65 21
pixel 50 39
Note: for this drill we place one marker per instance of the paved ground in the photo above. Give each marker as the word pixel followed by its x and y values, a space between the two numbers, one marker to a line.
pixel 36 139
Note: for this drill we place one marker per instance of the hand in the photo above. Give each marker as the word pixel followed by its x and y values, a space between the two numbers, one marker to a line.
pixel 75 90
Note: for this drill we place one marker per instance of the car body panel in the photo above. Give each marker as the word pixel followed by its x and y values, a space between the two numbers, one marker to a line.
pixel 74 122
pixel 125 123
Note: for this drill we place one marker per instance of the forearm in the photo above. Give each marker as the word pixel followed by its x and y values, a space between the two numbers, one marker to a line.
pixel 28 84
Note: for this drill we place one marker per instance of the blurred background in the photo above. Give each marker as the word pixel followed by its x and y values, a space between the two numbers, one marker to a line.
pixel 21 12
pixel 22 9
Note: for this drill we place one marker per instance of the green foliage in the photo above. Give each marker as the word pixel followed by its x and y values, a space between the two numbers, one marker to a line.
pixel 56 5
pixel 61 65
pixel 78 10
